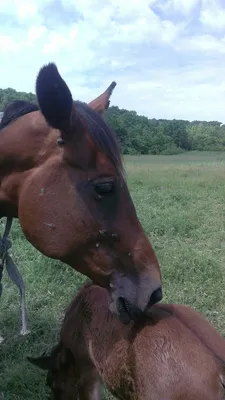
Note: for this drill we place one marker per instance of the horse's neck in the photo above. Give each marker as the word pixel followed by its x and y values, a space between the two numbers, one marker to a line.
pixel 104 339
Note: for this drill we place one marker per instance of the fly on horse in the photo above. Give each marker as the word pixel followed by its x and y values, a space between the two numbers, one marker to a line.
pixel 174 353
pixel 62 176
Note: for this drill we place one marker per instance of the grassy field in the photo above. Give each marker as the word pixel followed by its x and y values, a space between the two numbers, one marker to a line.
pixel 180 201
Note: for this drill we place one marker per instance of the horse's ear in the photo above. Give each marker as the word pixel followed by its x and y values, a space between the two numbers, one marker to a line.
pixel 54 98
pixel 43 362
pixel 101 103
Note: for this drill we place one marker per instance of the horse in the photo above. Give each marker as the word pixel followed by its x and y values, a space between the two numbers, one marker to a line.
pixel 62 176
pixel 174 353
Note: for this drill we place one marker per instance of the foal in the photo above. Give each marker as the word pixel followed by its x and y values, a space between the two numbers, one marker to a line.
pixel 174 355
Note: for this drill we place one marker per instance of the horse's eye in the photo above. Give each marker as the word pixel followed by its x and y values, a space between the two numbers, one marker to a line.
pixel 104 188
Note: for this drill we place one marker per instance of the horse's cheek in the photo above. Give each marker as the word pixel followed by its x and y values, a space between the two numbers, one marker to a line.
pixel 52 215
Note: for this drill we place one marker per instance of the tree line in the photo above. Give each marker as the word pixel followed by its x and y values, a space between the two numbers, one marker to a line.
pixel 140 135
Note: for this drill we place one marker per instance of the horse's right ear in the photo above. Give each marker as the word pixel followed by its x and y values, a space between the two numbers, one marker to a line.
pixel 101 103
pixel 54 98
pixel 43 362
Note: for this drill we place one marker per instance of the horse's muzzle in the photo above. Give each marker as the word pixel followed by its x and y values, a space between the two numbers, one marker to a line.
pixel 128 307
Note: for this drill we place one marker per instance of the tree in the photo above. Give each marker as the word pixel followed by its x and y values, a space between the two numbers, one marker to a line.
pixel 7 95
pixel 138 134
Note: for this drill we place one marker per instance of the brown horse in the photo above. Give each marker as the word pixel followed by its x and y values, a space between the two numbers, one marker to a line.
pixel 61 174
pixel 173 354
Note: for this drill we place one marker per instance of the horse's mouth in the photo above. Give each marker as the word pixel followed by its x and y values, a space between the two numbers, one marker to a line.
pixel 127 311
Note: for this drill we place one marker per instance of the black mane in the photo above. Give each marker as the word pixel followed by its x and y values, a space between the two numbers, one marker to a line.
pixel 102 135
pixel 16 109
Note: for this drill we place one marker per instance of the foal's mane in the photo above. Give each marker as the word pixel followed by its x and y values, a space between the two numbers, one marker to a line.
pixel 103 136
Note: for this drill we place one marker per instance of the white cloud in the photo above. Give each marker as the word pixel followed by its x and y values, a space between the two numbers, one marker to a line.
pixel 188 93
pixel 184 7
pixel 203 43
pixel 35 33
pixel 26 9
pixel 213 15
pixel 7 44
pixel 167 57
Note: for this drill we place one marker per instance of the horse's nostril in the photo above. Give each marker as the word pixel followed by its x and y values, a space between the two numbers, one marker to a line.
pixel 155 297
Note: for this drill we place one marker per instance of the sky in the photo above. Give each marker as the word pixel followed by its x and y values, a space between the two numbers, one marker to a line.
pixel 167 56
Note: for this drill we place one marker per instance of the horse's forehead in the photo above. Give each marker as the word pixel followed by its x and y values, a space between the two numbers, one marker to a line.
pixel 99 160
pixel 103 162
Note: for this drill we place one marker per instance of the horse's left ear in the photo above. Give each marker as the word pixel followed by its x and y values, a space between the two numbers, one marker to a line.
pixel 101 103
pixel 43 362
pixel 54 98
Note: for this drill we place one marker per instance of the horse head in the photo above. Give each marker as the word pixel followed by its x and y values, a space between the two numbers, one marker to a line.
pixel 76 206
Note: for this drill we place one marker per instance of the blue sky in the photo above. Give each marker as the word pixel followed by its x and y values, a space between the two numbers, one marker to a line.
pixel 167 56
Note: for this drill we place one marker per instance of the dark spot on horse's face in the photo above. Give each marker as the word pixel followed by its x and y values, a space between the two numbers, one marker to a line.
pixel 101 198
pixel 108 189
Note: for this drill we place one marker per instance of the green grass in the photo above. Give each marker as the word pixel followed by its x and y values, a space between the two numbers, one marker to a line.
pixel 180 202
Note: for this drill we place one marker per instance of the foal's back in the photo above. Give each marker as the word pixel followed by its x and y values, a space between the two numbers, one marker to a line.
pixel 172 356
pixel 178 364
